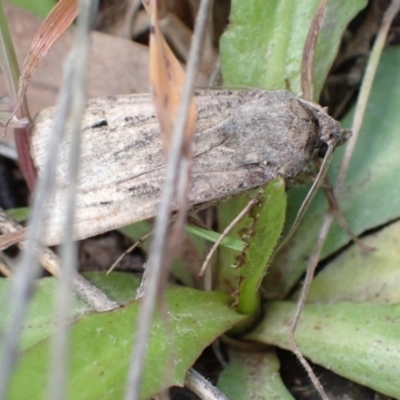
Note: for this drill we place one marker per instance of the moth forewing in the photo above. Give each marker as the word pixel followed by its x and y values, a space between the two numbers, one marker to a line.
pixel 243 140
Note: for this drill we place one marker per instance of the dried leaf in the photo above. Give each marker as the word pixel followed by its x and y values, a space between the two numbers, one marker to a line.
pixel 9 239
pixel 56 23
pixel 310 46
pixel 166 81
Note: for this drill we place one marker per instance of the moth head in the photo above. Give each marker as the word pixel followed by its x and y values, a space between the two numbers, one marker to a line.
pixel 331 133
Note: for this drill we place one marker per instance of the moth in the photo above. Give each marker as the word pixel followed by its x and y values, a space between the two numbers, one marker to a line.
pixel 243 140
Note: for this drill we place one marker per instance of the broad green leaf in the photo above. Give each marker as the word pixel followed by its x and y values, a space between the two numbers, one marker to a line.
pixel 39 322
pixel 358 341
pixel 260 229
pixel 362 277
pixel 262 236
pixel 100 347
pixel 370 194
pixel 264 42
pixel 252 375
pixel 120 287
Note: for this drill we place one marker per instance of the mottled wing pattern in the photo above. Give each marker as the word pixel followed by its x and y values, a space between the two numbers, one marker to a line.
pixel 243 139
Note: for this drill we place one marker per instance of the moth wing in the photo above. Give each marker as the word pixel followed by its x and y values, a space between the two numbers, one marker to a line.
pixel 122 165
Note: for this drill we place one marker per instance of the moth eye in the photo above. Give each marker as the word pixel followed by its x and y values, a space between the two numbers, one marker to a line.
pixel 322 150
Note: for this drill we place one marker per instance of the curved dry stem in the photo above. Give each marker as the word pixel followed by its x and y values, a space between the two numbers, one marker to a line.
pixel 128 250
pixel 319 180
pixel 155 263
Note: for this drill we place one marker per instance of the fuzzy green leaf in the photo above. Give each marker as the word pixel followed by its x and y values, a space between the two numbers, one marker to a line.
pixel 100 348
pixel 357 341
pixel 252 375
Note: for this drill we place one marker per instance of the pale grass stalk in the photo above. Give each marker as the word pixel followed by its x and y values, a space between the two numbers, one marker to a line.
pixel 157 250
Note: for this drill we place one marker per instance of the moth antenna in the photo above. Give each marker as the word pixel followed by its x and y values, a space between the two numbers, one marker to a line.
pixel 310 196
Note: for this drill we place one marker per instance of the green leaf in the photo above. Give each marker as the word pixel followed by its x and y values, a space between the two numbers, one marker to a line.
pixel 39 322
pixel 264 233
pixel 38 325
pixel 252 375
pixel 369 197
pixel 137 230
pixel 38 7
pixel 100 347
pixel 118 286
pixel 362 277
pixel 229 242
pixel 264 43
pixel 185 273
pixel 19 214
pixel 260 230
pixel 357 341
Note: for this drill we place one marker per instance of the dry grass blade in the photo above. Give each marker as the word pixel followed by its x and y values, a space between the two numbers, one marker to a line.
pixel 307 64
pixel 166 81
pixel 127 251
pixel 8 64
pixel 10 71
pixel 77 64
pixel 319 180
pixel 307 86
pixel 28 270
pixel 9 239
pixel 300 304
pixel 56 23
pixel 155 263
